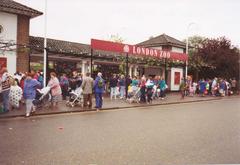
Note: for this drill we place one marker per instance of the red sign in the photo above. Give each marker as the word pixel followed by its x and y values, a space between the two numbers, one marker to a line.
pixel 3 62
pixel 136 50
pixel 176 78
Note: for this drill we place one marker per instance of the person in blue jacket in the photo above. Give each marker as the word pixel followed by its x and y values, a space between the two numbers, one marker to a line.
pixel 29 92
pixel 99 86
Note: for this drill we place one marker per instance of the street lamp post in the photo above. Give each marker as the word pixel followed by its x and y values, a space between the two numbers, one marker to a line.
pixel 187 45
pixel 45 48
pixel 238 71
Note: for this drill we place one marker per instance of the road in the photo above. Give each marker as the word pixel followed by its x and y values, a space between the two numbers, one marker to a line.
pixel 192 133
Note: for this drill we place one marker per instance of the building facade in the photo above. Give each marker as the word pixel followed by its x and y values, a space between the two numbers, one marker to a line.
pixel 14 35
pixel 64 57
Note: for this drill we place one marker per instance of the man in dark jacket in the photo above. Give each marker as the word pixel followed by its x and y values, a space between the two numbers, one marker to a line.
pixel 75 81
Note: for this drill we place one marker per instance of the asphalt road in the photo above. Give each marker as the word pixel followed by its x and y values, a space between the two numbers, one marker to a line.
pixel 195 133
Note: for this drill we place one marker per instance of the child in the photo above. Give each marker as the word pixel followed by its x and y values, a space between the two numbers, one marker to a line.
pixel 15 95
pixel 191 91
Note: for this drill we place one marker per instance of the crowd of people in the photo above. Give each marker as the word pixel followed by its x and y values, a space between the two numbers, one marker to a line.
pixel 209 87
pixel 143 89
pixel 23 88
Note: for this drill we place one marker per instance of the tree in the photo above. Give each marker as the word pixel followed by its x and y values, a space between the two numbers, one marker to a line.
pixel 116 38
pixel 219 56
pixel 195 62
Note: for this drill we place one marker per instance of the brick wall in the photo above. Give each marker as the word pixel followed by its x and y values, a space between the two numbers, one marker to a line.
pixel 22 39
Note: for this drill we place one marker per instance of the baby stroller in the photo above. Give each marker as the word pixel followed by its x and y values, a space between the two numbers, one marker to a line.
pixel 134 95
pixel 75 98
pixel 43 98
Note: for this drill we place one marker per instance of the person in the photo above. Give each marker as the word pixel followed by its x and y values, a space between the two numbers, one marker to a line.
pixel 194 85
pixel 29 92
pixel 122 86
pixel 202 86
pixel 56 90
pixel 222 87
pixel 15 95
pixel 149 86
pixel 182 88
pixel 134 84
pixel 113 87
pixel 143 89
pixel 6 84
pixel 18 76
pixel 214 86
pixel 162 84
pixel 64 83
pixel 234 85
pixel 87 87
pixel 99 85
pixel 76 81
pixel 40 78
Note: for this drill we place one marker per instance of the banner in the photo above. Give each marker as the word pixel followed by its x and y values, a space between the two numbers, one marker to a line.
pixel 136 50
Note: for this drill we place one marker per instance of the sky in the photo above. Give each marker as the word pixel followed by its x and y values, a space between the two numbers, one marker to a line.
pixel 136 20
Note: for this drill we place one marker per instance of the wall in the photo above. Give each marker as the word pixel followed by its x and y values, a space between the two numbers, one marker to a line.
pixel 154 71
pixel 23 39
pixel 177 50
pixel 9 23
pixel 159 47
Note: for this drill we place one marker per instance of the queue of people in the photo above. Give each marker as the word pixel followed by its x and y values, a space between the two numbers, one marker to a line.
pixel 25 89
pixel 208 87
pixel 143 89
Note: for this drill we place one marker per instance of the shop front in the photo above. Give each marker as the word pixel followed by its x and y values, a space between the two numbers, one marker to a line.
pixel 110 58
pixel 172 73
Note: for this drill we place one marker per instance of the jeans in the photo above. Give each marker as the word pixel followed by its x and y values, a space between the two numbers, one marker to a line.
pixel 122 91
pixel 5 95
pixel 113 92
pixel 99 101
pixel 29 106
pixel 162 93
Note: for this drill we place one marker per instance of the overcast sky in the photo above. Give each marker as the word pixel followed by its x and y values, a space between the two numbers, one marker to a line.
pixel 136 20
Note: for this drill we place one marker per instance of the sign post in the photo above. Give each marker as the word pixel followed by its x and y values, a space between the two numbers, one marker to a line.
pixel 91 65
pixel 126 50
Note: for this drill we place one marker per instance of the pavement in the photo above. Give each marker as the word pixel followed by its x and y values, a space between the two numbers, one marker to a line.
pixel 171 98
pixel 193 133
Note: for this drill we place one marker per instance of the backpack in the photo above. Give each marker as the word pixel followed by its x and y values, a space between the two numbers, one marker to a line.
pixel 7 83
pixel 100 83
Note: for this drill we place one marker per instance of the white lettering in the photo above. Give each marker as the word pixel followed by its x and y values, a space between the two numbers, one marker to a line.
pixel 151 52
pixel 134 50
pixel 147 51
pixel 168 55
pixel 161 54
pixel 138 50
pixel 155 53
pixel 143 51
pixel 164 54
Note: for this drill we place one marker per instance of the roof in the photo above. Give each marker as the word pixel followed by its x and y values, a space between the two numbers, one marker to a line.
pixel 10 6
pixel 59 46
pixel 162 39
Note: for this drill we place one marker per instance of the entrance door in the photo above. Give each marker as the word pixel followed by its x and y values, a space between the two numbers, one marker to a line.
pixel 176 75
